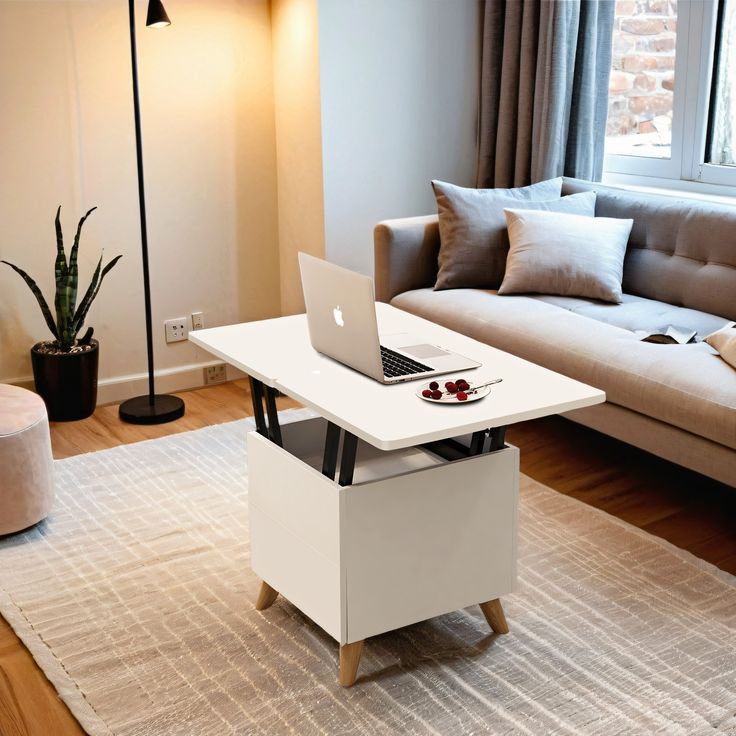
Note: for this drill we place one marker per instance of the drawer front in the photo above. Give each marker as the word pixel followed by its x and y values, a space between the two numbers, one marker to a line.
pixel 429 542
pixel 295 532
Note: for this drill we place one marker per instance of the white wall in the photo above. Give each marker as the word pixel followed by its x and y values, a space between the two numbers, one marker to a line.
pixel 399 92
pixel 66 137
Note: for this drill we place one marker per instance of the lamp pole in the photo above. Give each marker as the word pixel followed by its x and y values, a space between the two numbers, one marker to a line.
pixel 152 408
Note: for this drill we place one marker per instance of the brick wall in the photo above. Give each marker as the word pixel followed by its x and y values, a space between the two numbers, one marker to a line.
pixel 642 73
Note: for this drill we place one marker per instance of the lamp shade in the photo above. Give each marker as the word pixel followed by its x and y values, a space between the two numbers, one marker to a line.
pixel 157 17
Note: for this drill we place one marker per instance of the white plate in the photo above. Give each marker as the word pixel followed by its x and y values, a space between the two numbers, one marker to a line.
pixel 450 398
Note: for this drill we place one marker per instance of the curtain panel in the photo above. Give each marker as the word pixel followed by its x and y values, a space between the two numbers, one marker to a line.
pixel 544 90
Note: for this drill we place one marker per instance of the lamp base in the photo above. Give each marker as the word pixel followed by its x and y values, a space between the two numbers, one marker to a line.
pixel 157 409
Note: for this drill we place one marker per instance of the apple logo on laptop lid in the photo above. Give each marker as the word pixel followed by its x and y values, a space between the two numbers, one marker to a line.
pixel 337 314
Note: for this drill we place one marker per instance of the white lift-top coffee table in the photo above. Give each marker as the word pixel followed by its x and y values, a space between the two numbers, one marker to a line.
pixel 385 509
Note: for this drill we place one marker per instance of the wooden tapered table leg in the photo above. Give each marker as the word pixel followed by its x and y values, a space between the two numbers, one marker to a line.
pixel 266 596
pixel 493 611
pixel 349 661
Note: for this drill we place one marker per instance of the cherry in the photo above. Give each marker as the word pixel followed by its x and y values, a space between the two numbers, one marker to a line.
pixel 461 396
pixel 436 395
pixel 451 387
pixel 434 385
pixel 426 393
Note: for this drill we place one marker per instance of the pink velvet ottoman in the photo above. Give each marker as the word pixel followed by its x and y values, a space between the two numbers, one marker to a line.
pixel 26 463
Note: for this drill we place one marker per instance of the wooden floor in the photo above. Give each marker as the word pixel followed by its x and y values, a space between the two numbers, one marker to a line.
pixel 687 509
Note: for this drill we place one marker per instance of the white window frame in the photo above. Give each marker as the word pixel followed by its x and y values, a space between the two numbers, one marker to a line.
pixel 686 167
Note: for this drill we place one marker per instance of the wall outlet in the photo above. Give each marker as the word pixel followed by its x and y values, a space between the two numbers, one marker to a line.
pixel 176 329
pixel 197 320
pixel 215 374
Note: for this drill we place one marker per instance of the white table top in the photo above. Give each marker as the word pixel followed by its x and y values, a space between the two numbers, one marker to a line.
pixel 278 352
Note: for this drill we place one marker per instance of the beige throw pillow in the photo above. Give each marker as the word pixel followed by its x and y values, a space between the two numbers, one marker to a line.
pixel 569 255
pixel 473 240
pixel 724 341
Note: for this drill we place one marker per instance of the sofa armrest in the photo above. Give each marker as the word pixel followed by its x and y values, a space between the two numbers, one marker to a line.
pixel 405 255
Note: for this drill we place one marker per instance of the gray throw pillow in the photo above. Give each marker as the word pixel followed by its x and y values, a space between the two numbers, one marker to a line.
pixel 569 255
pixel 473 239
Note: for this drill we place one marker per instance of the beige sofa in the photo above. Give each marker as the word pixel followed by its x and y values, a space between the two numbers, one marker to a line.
pixel 676 401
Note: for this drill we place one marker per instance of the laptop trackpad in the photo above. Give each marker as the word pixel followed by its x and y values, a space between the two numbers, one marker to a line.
pixel 423 351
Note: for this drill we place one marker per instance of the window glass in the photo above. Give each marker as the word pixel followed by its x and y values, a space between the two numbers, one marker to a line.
pixel 723 143
pixel 641 89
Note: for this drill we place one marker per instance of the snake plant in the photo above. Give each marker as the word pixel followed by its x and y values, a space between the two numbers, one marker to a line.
pixel 69 316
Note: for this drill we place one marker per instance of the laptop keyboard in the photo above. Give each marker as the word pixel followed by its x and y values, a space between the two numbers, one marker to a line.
pixel 396 364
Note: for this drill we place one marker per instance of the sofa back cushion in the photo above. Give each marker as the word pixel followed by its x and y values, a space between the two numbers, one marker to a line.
pixel 680 251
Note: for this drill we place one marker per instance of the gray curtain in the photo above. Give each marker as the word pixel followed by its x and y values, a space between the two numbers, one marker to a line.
pixel 544 90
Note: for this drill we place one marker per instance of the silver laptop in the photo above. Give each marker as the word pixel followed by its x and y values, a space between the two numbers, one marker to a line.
pixel 341 314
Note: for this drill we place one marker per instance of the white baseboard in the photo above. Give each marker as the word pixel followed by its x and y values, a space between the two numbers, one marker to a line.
pixel 169 380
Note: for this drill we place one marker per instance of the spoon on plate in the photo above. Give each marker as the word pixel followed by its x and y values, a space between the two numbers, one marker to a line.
pixel 473 389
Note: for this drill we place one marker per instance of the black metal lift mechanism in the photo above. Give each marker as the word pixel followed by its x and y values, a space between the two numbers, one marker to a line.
pixel 484 440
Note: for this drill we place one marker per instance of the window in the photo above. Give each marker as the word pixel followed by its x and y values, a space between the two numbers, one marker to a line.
pixel 640 93
pixel 672 93
pixel 722 149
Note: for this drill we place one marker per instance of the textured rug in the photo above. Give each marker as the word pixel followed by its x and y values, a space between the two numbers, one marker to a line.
pixel 136 599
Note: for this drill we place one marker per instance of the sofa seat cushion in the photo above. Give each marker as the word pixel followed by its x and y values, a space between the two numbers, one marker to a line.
pixel 688 386
pixel 639 313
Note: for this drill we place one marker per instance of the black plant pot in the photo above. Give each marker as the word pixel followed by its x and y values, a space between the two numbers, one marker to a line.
pixel 67 382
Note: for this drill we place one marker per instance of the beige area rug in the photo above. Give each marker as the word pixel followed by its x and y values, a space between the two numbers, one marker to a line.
pixel 136 598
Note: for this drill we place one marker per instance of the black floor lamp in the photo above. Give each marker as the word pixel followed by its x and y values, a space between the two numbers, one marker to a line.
pixel 153 408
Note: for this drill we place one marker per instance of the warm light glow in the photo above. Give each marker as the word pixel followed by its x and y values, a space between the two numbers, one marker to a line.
pixel 160 24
